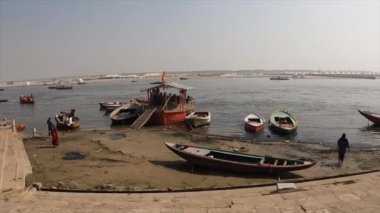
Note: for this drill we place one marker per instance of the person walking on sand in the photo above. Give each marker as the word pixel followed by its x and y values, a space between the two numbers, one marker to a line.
pixel 50 125
pixel 54 138
pixel 342 145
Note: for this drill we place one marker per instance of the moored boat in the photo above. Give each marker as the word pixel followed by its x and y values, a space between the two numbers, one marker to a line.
pixel 27 99
pixel 167 103
pixel 283 122
pixel 238 162
pixel 67 121
pixel 374 117
pixel 198 119
pixel 279 78
pixel 112 105
pixel 63 87
pixel 254 123
pixel 126 114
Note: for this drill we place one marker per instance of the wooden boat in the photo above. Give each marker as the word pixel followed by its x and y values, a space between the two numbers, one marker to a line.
pixel 63 87
pixel 112 105
pixel 27 99
pixel 126 114
pixel 283 122
pixel 3 100
pixel 67 121
pixel 198 119
pixel 1 89
pixel 374 117
pixel 279 78
pixel 238 162
pixel 254 123
pixel 167 103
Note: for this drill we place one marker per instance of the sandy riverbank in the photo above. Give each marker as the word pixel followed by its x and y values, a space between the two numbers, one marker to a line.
pixel 130 159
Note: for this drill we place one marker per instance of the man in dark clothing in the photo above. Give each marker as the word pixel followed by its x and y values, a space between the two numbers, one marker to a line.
pixel 50 125
pixel 342 145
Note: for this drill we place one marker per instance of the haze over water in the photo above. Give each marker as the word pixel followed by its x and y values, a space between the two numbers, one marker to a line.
pixel 325 108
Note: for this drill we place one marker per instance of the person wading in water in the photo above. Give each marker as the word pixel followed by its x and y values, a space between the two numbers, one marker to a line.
pixel 342 145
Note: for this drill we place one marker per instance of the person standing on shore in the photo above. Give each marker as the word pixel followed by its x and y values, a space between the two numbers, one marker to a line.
pixel 54 137
pixel 50 125
pixel 342 145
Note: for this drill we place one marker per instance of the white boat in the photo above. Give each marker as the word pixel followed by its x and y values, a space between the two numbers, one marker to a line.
pixel 197 119
pixel 126 113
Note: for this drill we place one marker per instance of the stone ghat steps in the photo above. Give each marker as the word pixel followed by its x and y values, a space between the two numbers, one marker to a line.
pixel 358 193
pixel 14 162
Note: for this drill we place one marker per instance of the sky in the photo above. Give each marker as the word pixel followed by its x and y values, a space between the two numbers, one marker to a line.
pixel 53 38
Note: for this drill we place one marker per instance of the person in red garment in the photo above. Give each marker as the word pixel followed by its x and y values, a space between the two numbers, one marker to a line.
pixel 54 137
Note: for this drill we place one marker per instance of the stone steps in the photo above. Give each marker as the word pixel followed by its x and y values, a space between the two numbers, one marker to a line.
pixel 15 163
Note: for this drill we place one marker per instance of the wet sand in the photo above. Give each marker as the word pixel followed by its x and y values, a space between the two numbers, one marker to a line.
pixel 135 160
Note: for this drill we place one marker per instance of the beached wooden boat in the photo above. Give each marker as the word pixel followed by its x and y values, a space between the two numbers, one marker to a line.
pixel 198 119
pixel 374 117
pixel 283 122
pixel 126 114
pixel 254 123
pixel 67 121
pixel 27 99
pixel 239 162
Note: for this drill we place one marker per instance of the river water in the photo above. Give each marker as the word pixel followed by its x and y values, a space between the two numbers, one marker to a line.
pixel 325 108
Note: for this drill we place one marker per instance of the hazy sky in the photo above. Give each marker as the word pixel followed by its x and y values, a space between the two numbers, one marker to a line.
pixel 44 39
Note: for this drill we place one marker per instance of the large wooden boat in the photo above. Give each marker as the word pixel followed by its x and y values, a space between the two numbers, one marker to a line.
pixel 198 119
pixel 283 122
pixel 374 117
pixel 27 99
pixel 239 162
pixel 254 123
pixel 167 103
pixel 67 121
pixel 126 114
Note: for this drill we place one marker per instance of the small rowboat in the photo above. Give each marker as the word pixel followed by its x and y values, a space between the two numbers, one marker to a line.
pixel 283 122
pixel 374 117
pixel 67 121
pixel 63 87
pixel 254 123
pixel 126 113
pixel 26 99
pixel 238 162
pixel 198 119
pixel 110 106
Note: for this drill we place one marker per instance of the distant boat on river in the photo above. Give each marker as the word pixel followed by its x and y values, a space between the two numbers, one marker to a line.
pixel 279 78
pixel 27 99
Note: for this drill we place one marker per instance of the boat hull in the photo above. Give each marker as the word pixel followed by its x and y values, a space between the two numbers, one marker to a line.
pixel 210 162
pixel 282 122
pixel 254 123
pixel 373 117
pixel 254 128
pixel 199 119
pixel 125 114
pixel 163 117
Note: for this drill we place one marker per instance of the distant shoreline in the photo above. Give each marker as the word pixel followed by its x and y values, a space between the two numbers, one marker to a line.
pixel 189 75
